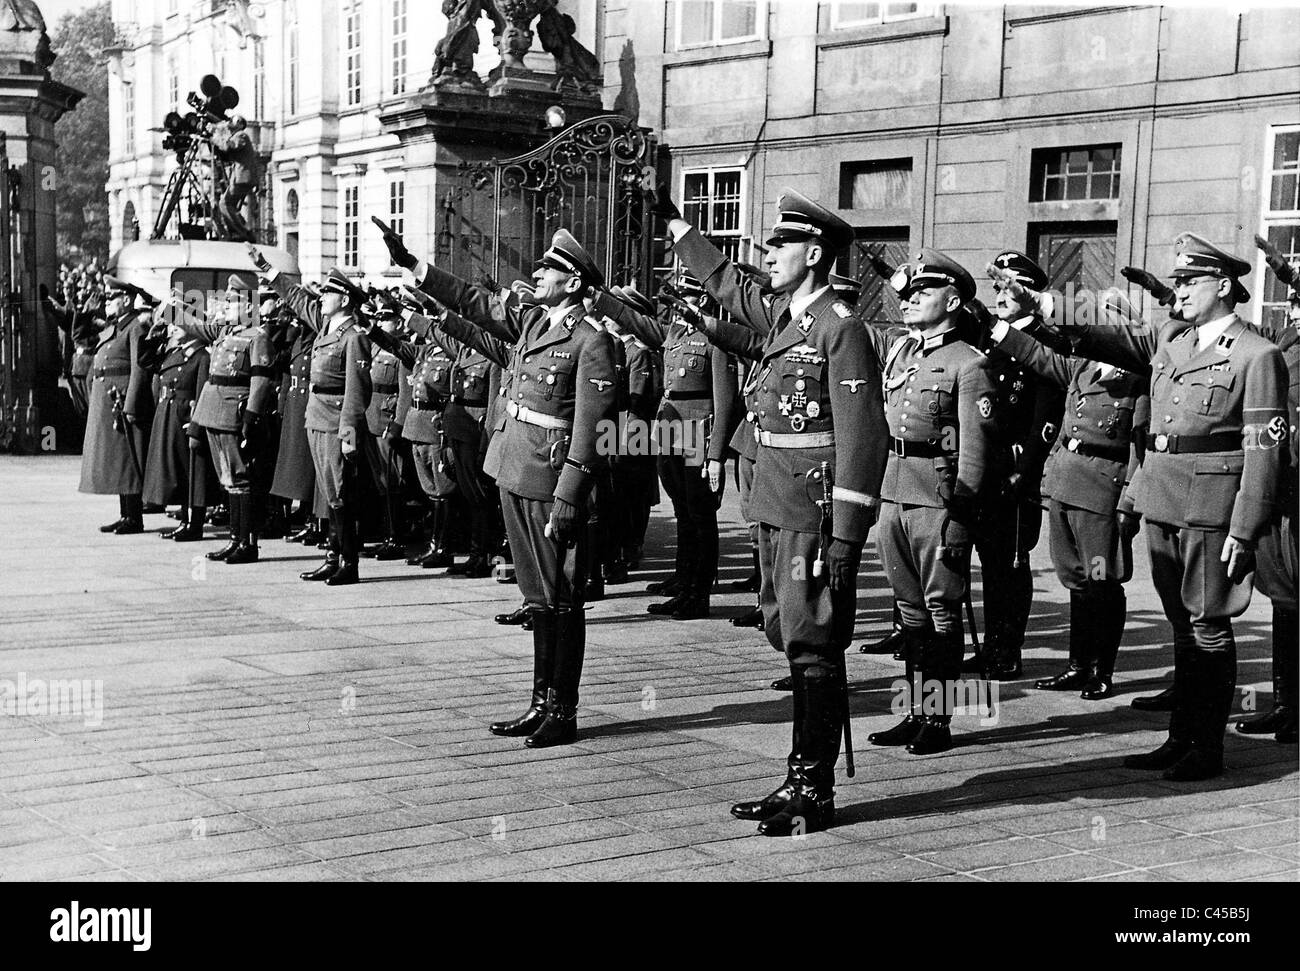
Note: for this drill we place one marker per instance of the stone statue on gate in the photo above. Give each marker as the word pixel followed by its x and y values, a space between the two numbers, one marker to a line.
pixel 453 63
pixel 574 64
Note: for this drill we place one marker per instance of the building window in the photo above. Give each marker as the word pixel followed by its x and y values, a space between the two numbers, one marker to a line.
pixel 399 46
pixel 849 14
pixel 397 205
pixel 128 116
pixel 1075 174
pixel 291 207
pixel 704 23
pixel 259 80
pixel 352 226
pixel 1281 219
pixel 173 81
pixel 713 202
pixel 878 184
pixel 291 56
pixel 352 39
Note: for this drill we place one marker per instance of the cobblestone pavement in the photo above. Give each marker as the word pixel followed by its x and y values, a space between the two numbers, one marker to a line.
pixel 257 728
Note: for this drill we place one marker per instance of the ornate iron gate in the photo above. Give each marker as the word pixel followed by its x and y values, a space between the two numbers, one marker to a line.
pixel 590 179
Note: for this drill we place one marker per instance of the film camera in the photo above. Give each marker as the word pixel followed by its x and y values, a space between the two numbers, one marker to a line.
pixel 210 106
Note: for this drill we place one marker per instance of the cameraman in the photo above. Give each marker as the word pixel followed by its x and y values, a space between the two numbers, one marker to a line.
pixel 234 146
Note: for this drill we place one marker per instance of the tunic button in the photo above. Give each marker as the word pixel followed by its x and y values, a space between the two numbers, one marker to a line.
pixel 1175 401
pixel 1074 428
pixel 521 396
pixel 904 418
pixel 550 379
pixel 799 372
pixel 1168 419
pixel 1206 402
pixel 681 372
pixel 902 428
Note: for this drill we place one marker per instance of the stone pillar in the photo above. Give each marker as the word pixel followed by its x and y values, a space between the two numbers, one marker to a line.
pixel 30 104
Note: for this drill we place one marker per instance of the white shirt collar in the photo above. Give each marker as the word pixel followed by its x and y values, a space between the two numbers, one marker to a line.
pixel 1207 334
pixel 797 307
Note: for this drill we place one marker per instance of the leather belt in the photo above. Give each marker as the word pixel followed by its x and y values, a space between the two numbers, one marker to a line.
pixel 333 389
pixel 228 381
pixel 470 402
pixel 384 389
pixel 1109 453
pixel 917 450
pixel 428 405
pixel 689 395
pixel 113 372
pixel 531 417
pixel 1188 444
pixel 806 440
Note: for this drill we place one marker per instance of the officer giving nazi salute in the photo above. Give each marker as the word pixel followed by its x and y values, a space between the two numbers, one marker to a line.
pixel 1209 484
pixel 559 387
pixel 821 436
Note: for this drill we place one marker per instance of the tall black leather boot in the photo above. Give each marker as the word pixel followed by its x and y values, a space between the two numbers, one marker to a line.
pixel 1283 713
pixel 775 801
pixel 349 550
pixel 236 528
pixel 331 564
pixel 941 667
pixel 479 564
pixel 1180 718
pixel 595 569
pixel 121 517
pixel 1076 673
pixel 247 551
pixel 1212 686
pixel 544 634
pixel 191 530
pixel 907 729
pixel 892 643
pixel 811 806
pixel 1106 630
pixel 751 583
pixel 437 556
pixel 561 724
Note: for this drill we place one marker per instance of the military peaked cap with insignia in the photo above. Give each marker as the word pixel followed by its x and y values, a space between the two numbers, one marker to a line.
pixel 934 269
pixel 241 283
pixel 1026 272
pixel 337 282
pixel 802 219
pixel 635 299
pixel 1197 256
pixel 846 288
pixel 567 255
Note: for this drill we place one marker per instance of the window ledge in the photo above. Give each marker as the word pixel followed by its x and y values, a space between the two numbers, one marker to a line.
pixel 1075 209
pixel 883 33
pixel 719 52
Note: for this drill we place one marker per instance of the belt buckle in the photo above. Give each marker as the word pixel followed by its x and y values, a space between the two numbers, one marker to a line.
pixel 900 448
pixel 1073 445
pixel 1161 443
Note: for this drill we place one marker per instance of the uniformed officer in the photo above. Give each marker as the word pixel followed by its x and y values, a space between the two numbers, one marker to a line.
pixel 695 423
pixel 939 402
pixel 383 452
pixel 120 405
pixel 636 479
pixel 817 478
pixel 240 390
pixel 1028 417
pixel 558 389
pixel 336 407
pixel 464 429
pixel 1209 484
pixel 1087 476
pixel 178 469
pixel 295 473
pixel 423 398
pixel 1278 555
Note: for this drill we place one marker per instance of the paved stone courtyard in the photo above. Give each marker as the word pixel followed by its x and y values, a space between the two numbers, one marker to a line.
pixel 254 727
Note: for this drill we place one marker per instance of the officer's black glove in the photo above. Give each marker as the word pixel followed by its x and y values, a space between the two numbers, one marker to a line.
pixel 393 432
pixel 260 263
pixel 1150 283
pixel 880 266
pixel 489 283
pixel 955 546
pixel 562 528
pixel 1283 270
pixel 397 250
pixel 662 205
pixel 251 430
pixel 843 560
pixel 1129 524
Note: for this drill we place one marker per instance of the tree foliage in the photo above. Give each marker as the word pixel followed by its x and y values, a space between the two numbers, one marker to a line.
pixel 79 41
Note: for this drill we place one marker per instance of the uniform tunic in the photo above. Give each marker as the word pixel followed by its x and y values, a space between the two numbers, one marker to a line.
pixel 422 400
pixel 381 420
pixel 819 407
pixel 1088 471
pixel 117 385
pixel 939 404
pixel 181 373
pixel 557 388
